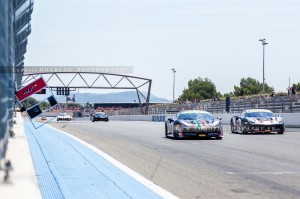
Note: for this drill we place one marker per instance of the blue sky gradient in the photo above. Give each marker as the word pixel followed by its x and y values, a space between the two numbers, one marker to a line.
pixel 217 39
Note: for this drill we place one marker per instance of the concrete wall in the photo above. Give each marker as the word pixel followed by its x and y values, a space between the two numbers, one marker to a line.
pixel 131 117
pixel 6 77
pixel 290 119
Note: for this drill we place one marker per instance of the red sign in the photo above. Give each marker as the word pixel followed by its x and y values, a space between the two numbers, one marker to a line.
pixel 30 89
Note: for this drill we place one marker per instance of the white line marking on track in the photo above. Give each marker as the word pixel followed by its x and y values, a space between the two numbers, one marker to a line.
pixel 150 185
pixel 264 173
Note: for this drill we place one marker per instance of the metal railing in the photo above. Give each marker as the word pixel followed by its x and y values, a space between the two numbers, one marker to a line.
pixel 277 104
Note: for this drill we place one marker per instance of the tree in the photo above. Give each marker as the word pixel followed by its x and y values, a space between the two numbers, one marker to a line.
pixel 44 105
pixel 297 86
pixel 88 105
pixel 29 102
pixel 229 94
pixel 200 89
pixel 250 86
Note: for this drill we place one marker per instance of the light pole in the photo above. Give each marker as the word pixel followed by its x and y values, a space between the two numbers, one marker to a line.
pixel 263 41
pixel 174 71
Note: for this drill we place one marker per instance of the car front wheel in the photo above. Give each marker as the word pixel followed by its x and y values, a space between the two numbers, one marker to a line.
pixel 166 131
pixel 244 129
pixel 175 135
pixel 232 128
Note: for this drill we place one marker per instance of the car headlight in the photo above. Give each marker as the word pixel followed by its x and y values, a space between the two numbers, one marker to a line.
pixel 178 127
pixel 183 124
pixel 217 123
pixel 279 120
pixel 251 121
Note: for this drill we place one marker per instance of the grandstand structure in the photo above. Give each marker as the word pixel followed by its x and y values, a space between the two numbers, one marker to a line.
pixel 15 27
pixel 83 110
pixel 277 104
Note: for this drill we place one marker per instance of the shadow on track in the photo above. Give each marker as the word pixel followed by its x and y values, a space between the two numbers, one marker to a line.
pixel 191 138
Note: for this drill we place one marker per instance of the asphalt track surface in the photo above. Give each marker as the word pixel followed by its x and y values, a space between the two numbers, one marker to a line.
pixel 239 166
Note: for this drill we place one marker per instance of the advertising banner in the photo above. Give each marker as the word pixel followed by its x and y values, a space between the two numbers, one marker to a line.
pixel 37 99
pixel 31 89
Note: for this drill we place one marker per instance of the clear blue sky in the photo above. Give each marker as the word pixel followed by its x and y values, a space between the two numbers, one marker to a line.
pixel 217 39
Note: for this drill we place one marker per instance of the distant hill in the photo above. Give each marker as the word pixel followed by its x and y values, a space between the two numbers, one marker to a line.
pixel 126 97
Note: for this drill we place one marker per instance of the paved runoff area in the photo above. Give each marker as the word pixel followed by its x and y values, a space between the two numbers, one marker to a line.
pixel 49 163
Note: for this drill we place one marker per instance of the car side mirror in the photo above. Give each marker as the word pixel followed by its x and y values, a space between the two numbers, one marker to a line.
pixel 170 119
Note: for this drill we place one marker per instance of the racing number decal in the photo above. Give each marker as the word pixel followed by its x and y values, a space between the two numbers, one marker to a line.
pixel 198 124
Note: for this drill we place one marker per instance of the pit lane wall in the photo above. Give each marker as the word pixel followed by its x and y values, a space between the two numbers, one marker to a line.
pixel 15 16
pixel 290 119
pixel 7 54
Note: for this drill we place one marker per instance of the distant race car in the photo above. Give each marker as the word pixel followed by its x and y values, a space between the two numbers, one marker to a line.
pixel 257 120
pixel 100 116
pixel 43 118
pixel 64 117
pixel 193 123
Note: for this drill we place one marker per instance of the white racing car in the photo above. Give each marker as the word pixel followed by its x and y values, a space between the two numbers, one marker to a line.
pixel 64 117
pixel 257 120
pixel 194 123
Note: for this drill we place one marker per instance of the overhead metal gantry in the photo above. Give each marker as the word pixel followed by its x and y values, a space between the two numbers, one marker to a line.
pixel 92 80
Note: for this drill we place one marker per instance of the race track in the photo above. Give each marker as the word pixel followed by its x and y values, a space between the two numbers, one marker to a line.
pixel 239 166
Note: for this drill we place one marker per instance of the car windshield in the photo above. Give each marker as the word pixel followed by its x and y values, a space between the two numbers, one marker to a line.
pixel 260 114
pixel 196 116
pixel 63 114
pixel 100 114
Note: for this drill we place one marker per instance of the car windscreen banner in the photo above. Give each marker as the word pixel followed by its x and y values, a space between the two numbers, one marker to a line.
pixel 41 107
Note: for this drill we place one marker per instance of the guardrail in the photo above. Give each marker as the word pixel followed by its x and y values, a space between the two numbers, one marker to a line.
pixel 275 104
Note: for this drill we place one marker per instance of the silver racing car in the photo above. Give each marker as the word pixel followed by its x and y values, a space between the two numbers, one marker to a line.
pixel 193 123
pixel 257 120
